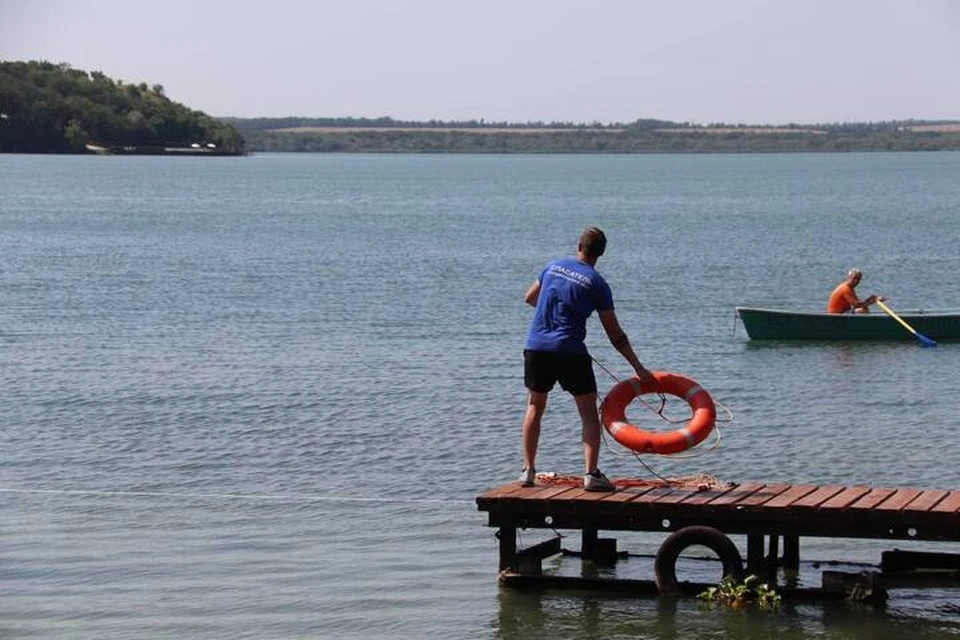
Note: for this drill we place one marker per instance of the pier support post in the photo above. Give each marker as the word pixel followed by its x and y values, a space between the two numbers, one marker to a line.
pixel 754 553
pixel 588 545
pixel 508 547
pixel 772 560
pixel 765 561
pixel 605 553
pixel 791 552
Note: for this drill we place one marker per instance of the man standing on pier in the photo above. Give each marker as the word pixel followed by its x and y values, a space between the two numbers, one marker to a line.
pixel 565 294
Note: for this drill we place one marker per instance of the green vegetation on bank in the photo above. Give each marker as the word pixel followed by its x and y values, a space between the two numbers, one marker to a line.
pixel 53 108
pixel 385 135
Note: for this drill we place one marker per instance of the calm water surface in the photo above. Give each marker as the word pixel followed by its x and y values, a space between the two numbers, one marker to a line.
pixel 256 397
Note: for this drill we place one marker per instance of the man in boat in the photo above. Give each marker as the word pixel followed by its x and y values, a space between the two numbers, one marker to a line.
pixel 565 294
pixel 844 298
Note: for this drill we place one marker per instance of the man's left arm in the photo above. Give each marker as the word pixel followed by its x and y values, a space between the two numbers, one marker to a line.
pixel 530 297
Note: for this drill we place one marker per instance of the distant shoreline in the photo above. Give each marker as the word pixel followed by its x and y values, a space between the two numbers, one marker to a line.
pixel 352 136
pixel 536 130
pixel 936 128
pixel 478 130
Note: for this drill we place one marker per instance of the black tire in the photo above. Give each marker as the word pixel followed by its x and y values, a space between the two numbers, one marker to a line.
pixel 665 564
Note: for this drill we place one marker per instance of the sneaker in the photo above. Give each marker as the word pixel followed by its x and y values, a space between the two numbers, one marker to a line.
pixel 596 481
pixel 527 477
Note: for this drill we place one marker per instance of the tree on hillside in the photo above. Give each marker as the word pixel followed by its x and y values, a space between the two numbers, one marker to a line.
pixel 53 108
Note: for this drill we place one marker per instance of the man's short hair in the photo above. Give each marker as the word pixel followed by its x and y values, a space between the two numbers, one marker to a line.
pixel 854 273
pixel 593 242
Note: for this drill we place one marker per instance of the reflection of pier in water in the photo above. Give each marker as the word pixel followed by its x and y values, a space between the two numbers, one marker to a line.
pixel 705 516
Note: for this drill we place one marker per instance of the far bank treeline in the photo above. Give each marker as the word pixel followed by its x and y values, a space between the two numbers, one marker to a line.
pixel 385 135
pixel 53 108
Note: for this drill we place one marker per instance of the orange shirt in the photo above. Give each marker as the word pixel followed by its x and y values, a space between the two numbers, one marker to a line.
pixel 842 299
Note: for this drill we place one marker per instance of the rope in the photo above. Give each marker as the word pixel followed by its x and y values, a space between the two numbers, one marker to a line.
pixel 700 482
pixel 659 411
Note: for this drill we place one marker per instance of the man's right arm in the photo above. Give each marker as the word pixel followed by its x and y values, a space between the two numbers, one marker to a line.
pixel 865 303
pixel 618 338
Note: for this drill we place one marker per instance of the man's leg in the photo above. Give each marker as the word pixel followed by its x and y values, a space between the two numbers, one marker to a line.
pixel 536 405
pixel 590 433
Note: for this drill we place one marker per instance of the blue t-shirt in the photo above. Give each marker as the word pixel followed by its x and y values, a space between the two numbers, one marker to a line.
pixel 570 291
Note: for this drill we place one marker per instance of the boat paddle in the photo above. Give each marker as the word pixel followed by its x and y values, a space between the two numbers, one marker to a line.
pixel 924 340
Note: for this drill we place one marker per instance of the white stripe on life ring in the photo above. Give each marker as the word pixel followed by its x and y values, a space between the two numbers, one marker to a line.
pixel 692 391
pixel 616 426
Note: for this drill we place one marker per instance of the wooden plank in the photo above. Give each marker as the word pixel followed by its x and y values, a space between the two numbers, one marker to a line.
pixel 896 561
pixel 654 495
pixel 818 497
pixel 736 494
pixel 764 495
pixel 789 496
pixel 845 498
pixel 570 493
pixel 522 492
pixel 926 500
pixel 576 494
pixel 627 494
pixel 949 504
pixel 899 499
pixel 582 495
pixel 500 491
pixel 551 491
pixel 623 484
pixel 540 550
pixel 679 494
pixel 634 587
pixel 487 504
pixel 873 498
pixel 705 496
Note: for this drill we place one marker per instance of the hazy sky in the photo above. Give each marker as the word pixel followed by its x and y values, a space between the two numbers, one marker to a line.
pixel 703 61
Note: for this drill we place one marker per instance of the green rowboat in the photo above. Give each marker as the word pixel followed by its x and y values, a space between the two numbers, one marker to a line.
pixel 772 324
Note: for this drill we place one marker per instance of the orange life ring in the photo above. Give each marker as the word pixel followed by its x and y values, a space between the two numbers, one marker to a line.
pixel 614 418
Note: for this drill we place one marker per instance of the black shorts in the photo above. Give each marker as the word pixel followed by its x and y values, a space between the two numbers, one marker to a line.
pixel 542 369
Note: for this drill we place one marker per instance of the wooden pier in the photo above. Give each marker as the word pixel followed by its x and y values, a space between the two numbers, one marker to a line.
pixel 706 514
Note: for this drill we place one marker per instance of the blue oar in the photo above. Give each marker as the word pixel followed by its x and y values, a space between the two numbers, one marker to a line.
pixel 924 340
